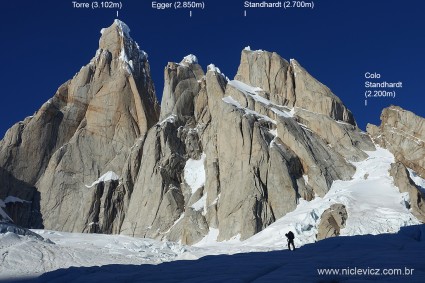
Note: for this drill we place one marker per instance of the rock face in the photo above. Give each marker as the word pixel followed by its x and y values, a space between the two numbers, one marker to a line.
pixel 222 156
pixel 4 218
pixel 258 155
pixel 403 133
pixel 289 84
pixel 332 221
pixel 416 199
pixel 85 130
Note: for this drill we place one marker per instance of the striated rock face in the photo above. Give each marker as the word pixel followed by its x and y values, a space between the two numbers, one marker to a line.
pixel 403 133
pixel 289 84
pixel 226 156
pixel 85 130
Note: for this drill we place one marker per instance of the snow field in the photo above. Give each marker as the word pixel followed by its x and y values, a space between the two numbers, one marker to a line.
pixel 27 256
pixel 374 206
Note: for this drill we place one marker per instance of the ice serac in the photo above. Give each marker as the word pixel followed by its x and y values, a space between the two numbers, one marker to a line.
pixel 84 131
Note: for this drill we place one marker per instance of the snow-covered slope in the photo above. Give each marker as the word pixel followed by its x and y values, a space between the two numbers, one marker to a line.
pixel 101 258
pixel 373 203
pixel 28 256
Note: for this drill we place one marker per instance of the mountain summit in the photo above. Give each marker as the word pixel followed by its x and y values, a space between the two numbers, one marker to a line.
pixel 84 131
pixel 222 159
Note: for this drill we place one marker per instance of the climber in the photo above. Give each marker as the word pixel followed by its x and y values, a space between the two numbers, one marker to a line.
pixel 290 237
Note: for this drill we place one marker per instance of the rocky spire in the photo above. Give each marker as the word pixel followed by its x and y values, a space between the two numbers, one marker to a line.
pixel 115 38
pixel 124 51
pixel 180 82
pixel 83 132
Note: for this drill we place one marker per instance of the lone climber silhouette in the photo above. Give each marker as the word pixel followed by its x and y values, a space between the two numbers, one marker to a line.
pixel 290 237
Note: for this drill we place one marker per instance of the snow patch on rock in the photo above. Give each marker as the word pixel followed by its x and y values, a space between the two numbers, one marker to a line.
pixel 417 179
pixel 246 89
pixel 305 177
pixel 254 93
pixel 213 68
pixel 12 199
pixel 124 29
pixel 201 204
pixel 231 101
pixel 169 119
pixel 190 59
pixel 194 173
pixel 248 48
pixel 108 176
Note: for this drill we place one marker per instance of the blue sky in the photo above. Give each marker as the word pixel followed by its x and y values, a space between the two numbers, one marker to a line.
pixel 44 43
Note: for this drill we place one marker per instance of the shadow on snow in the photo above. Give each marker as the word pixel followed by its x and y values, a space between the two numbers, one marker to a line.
pixel 403 251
